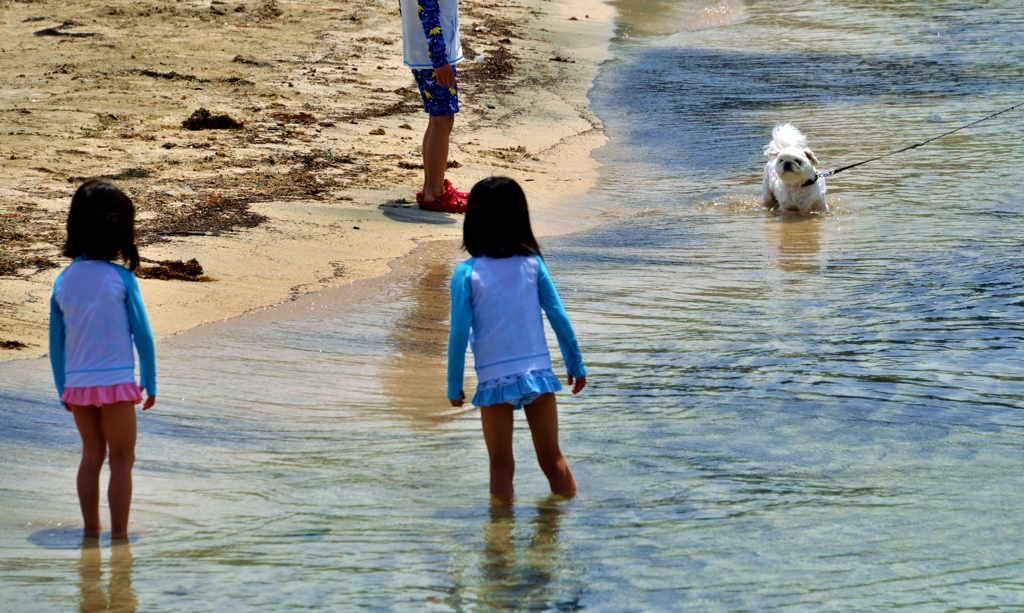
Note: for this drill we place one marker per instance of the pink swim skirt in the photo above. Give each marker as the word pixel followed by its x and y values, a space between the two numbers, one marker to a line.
pixel 102 394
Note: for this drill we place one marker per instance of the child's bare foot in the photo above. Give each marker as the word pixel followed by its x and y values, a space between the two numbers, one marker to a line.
pixel 502 500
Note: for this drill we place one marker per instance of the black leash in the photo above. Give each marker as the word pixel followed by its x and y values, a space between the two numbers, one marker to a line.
pixel 822 175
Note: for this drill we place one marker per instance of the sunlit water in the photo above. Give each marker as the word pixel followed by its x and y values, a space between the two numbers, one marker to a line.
pixel 784 412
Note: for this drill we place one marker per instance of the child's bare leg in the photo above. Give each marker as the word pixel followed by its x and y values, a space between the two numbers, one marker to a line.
pixel 119 429
pixel 435 154
pixel 542 414
pixel 497 423
pixel 94 452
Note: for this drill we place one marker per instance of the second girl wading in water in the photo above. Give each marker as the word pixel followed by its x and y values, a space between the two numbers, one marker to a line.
pixel 497 298
pixel 96 316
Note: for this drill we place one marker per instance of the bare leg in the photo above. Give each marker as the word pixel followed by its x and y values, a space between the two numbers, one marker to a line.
pixel 542 414
pixel 94 452
pixel 119 429
pixel 435 155
pixel 497 423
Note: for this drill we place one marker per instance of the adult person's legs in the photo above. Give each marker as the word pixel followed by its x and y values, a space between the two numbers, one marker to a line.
pixel 435 155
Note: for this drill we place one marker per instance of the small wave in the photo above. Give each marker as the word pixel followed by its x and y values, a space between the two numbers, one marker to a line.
pixel 721 13
pixel 746 203
pixel 733 203
pixel 649 18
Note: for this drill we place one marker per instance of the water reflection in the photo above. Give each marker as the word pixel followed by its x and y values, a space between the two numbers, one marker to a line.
pixel 119 594
pixel 413 376
pixel 795 241
pixel 518 571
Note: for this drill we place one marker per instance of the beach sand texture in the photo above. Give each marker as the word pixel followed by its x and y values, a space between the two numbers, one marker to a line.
pixel 316 188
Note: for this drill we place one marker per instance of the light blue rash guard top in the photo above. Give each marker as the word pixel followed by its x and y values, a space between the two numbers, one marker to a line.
pixel 96 312
pixel 496 308
pixel 430 33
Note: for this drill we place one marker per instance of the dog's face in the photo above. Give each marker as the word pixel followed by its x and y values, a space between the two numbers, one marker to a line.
pixel 795 165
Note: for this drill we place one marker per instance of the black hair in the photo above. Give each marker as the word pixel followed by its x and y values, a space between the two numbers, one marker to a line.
pixel 101 224
pixel 497 220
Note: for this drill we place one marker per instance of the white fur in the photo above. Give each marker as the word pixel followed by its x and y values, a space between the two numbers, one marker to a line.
pixel 791 164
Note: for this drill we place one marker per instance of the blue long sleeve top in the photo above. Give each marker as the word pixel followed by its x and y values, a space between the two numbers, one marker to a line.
pixel 96 315
pixel 496 308
pixel 430 33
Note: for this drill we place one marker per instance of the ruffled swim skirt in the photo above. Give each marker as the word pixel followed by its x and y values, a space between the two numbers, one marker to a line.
pixel 102 394
pixel 518 389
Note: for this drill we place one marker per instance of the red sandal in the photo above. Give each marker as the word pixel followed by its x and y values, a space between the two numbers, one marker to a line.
pixel 463 197
pixel 449 202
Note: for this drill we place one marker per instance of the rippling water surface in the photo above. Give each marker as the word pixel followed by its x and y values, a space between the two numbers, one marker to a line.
pixel 785 412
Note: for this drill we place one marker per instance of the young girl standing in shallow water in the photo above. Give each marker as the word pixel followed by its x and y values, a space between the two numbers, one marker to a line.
pixel 497 297
pixel 96 313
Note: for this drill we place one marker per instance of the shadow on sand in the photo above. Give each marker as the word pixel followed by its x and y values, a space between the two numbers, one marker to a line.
pixel 396 211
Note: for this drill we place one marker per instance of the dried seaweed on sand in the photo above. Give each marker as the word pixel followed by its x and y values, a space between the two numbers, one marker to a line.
pixel 12 264
pixel 294 117
pixel 212 217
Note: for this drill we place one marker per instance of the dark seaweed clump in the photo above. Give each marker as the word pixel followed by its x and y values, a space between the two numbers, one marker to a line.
pixel 202 119
pixel 173 269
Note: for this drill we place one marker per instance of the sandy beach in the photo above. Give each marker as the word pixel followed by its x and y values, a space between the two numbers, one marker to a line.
pixel 314 185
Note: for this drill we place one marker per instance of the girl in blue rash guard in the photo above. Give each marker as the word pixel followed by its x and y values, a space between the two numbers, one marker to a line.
pixel 497 298
pixel 96 315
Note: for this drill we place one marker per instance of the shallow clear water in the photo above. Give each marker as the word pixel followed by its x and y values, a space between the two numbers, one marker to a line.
pixel 784 412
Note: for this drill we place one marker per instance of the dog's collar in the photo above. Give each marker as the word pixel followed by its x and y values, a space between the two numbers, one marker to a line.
pixel 810 182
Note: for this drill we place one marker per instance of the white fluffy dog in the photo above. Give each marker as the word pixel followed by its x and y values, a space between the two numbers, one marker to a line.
pixel 788 172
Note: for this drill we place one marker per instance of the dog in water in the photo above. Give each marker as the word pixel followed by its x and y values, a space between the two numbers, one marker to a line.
pixel 789 170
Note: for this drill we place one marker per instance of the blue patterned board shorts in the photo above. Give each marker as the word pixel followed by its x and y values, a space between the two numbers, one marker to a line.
pixel 518 389
pixel 437 100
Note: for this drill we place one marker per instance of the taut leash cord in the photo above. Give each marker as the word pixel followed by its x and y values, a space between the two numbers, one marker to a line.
pixel 914 146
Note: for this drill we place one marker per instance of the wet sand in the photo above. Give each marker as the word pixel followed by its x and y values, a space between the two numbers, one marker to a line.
pixel 315 189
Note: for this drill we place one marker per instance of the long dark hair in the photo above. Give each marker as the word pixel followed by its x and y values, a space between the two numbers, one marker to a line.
pixel 101 224
pixel 497 220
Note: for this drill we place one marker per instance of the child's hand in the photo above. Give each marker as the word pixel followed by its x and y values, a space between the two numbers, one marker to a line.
pixel 460 401
pixel 445 76
pixel 580 384
pixel 150 401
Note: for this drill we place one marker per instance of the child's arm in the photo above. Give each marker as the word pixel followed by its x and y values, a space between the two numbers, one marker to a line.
pixel 559 320
pixel 57 336
pixel 142 334
pixel 458 335
pixel 430 17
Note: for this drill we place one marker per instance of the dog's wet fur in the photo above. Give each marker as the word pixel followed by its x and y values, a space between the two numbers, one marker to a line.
pixel 791 164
